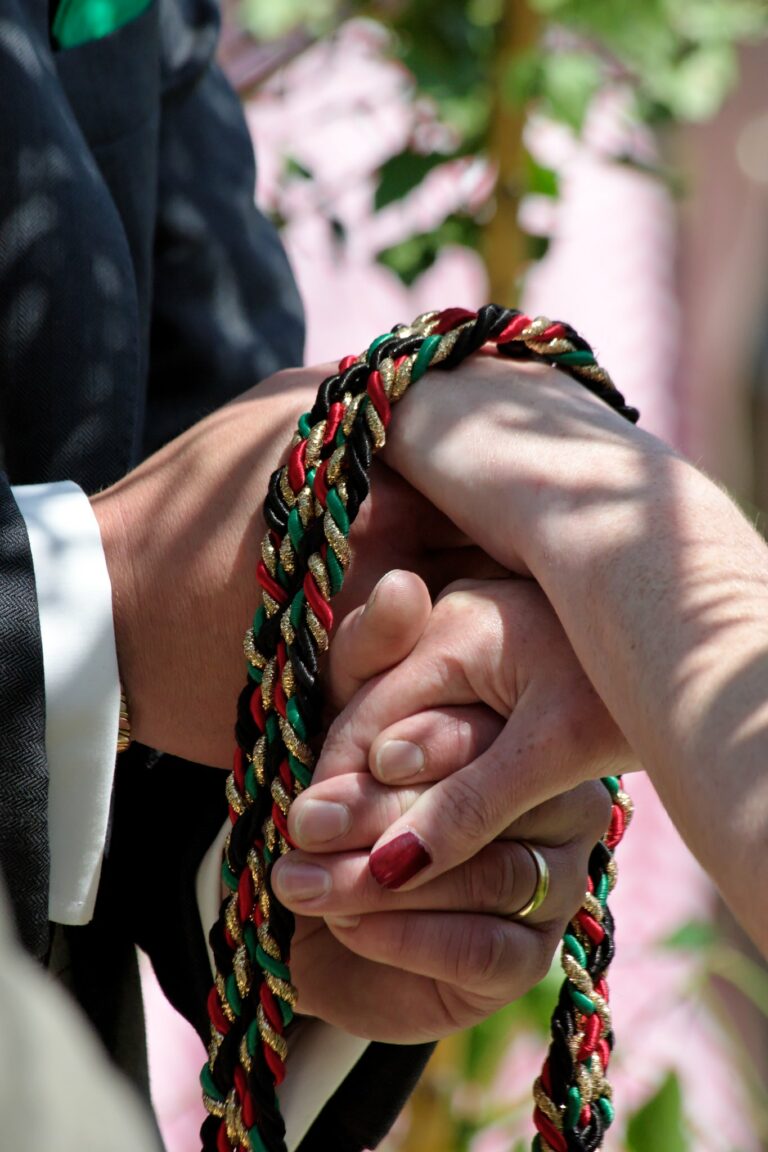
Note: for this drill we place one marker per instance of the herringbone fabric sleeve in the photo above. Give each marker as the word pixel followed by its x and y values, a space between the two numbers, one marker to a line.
pixel 24 858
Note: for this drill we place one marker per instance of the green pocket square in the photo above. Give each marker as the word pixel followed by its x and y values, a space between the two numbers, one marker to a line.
pixel 78 21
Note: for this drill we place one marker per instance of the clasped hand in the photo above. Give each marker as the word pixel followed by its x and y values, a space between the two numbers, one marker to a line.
pixel 485 685
pixel 484 712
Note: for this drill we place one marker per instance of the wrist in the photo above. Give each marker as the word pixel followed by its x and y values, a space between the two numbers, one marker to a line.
pixel 590 497
pixel 507 451
pixel 181 538
pixel 124 736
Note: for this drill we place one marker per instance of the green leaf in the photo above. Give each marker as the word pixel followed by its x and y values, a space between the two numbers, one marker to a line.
pixel 443 47
pixel 549 7
pixel 409 258
pixel 536 247
pixel 570 81
pixel 418 253
pixel 538 1004
pixel 746 975
pixel 293 169
pixel 540 181
pixel 487 1041
pixel 279 17
pixel 719 20
pixel 693 936
pixel 523 78
pixel 564 83
pixel 485 1045
pixel 402 173
pixel 678 55
pixel 701 81
pixel 484 13
pixel 659 1123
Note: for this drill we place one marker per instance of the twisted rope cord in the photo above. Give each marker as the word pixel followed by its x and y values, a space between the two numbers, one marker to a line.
pixel 573 1099
pixel 311 505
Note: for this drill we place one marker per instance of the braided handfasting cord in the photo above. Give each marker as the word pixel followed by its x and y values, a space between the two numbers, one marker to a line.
pixel 572 1097
pixel 312 502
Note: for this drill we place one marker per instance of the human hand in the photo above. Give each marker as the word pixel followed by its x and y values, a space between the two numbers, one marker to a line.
pixel 443 947
pixel 659 581
pixel 182 535
pixel 514 452
pixel 491 706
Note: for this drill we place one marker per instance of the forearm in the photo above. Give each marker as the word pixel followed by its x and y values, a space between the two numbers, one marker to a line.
pixel 665 601
pixel 181 537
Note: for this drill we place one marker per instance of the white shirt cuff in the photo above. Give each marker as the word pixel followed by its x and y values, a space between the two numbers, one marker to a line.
pixel 82 688
pixel 320 1058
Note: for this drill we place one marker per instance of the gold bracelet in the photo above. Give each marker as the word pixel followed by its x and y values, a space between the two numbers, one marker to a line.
pixel 124 726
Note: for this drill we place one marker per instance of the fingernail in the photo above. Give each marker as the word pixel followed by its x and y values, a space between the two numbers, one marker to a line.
pixel 399 860
pixel 342 921
pixel 397 760
pixel 303 881
pixel 376 589
pixel 318 821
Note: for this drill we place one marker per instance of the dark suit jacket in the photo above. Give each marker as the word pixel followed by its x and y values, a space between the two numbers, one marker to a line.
pixel 139 289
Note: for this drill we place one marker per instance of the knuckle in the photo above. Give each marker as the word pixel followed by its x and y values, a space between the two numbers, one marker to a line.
pixel 480 955
pixel 464 606
pixel 383 807
pixel 590 811
pixel 336 739
pixel 467 811
pixel 465 584
pixel 458 737
pixel 567 888
pixel 599 812
pixel 489 879
pixel 345 746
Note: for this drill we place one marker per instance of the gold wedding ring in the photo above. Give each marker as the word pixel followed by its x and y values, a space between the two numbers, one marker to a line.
pixel 542 883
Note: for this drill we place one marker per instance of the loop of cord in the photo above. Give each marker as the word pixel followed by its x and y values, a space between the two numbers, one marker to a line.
pixel 311 504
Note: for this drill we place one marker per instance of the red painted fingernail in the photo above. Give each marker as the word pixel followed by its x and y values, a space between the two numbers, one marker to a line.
pixel 399 860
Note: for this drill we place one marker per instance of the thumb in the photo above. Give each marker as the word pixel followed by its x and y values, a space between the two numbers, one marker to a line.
pixel 377 635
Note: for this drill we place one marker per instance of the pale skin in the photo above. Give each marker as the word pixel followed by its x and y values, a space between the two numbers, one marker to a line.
pixel 661 588
pixel 181 537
